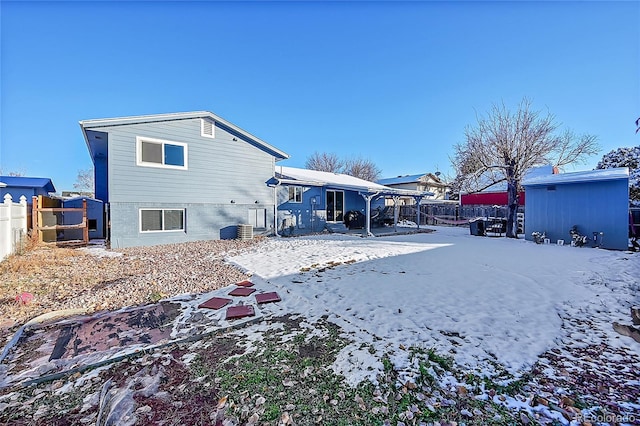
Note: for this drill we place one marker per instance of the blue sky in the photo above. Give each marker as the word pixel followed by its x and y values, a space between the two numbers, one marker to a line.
pixel 394 82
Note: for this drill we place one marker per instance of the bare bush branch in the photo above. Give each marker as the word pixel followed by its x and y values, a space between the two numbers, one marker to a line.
pixel 324 162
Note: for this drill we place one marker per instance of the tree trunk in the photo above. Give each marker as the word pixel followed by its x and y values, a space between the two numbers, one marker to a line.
pixel 512 202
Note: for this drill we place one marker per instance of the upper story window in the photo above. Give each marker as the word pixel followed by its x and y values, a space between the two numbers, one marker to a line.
pixel 161 153
pixel 207 128
pixel 295 194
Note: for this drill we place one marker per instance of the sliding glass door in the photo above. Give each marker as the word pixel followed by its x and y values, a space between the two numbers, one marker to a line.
pixel 335 206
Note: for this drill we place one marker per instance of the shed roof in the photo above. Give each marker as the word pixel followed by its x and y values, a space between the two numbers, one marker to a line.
pixel 154 118
pixel 579 177
pixel 292 175
pixel 28 182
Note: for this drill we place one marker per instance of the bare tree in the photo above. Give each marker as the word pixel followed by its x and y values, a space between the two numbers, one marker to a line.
pixel 505 145
pixel 357 166
pixel 324 162
pixel 361 168
pixel 13 173
pixel 84 181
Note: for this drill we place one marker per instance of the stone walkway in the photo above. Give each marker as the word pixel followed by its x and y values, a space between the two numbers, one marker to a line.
pixel 48 349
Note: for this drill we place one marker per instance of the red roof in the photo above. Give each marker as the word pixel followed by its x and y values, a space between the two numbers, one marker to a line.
pixel 489 199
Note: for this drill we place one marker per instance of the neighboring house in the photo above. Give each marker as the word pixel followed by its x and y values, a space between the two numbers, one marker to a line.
pixel 426 182
pixel 178 177
pixel 310 200
pixel 27 186
pixel 74 194
pixel 596 202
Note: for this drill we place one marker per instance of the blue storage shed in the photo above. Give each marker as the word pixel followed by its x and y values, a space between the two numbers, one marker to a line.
pixel 596 202
pixel 95 218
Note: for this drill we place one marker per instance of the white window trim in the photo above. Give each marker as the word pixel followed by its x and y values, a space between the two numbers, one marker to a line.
pixel 213 128
pixel 139 162
pixel 184 215
pixel 294 191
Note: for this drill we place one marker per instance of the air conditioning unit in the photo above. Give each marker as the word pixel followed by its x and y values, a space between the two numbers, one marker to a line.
pixel 245 232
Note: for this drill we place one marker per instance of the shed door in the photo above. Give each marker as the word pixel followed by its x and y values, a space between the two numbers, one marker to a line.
pixel 335 206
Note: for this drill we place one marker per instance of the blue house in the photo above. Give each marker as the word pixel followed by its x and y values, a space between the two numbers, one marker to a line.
pixel 27 186
pixel 309 200
pixel 179 177
pixel 596 202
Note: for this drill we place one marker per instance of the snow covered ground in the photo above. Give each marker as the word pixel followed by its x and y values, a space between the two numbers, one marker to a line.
pixel 483 300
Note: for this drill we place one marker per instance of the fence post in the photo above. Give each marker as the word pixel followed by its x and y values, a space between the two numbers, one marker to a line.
pixel 85 230
pixel 23 207
pixel 34 217
pixel 5 227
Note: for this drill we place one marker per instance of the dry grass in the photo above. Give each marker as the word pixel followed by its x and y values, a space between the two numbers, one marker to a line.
pixel 47 272
pixel 63 278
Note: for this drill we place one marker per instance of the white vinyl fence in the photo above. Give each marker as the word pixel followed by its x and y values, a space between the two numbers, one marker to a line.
pixel 13 225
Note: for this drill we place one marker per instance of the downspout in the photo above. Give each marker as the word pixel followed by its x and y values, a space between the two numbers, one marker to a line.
pixel 275 208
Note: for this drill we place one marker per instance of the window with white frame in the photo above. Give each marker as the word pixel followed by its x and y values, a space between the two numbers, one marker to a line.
pixel 161 220
pixel 160 153
pixel 295 194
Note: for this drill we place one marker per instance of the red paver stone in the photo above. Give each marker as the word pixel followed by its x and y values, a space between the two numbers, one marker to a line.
pixel 240 311
pixel 245 283
pixel 267 297
pixel 215 303
pixel 241 291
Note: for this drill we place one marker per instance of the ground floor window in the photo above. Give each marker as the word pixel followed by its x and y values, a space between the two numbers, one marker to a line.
pixel 258 218
pixel 295 194
pixel 154 220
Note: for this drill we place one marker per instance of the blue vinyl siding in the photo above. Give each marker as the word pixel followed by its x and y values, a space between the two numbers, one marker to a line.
pixel 600 206
pixel 300 214
pixel 219 170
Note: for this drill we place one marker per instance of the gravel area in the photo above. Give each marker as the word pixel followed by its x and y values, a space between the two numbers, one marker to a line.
pixel 97 279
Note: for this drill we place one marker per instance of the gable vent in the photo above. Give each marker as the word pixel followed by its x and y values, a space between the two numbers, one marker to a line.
pixel 207 128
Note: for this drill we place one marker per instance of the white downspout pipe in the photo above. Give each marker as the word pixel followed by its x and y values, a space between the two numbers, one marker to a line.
pixel 275 209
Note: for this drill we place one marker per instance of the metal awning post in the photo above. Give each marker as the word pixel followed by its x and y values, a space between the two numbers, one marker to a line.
pixel 418 201
pixel 395 212
pixel 367 214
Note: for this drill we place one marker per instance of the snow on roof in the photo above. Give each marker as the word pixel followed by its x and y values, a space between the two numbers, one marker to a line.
pixel 401 179
pixel 328 178
pixel 531 173
pixel 410 179
pixel 576 177
pixel 339 180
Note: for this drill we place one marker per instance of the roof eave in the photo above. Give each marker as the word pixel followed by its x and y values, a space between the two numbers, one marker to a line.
pixel 121 121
